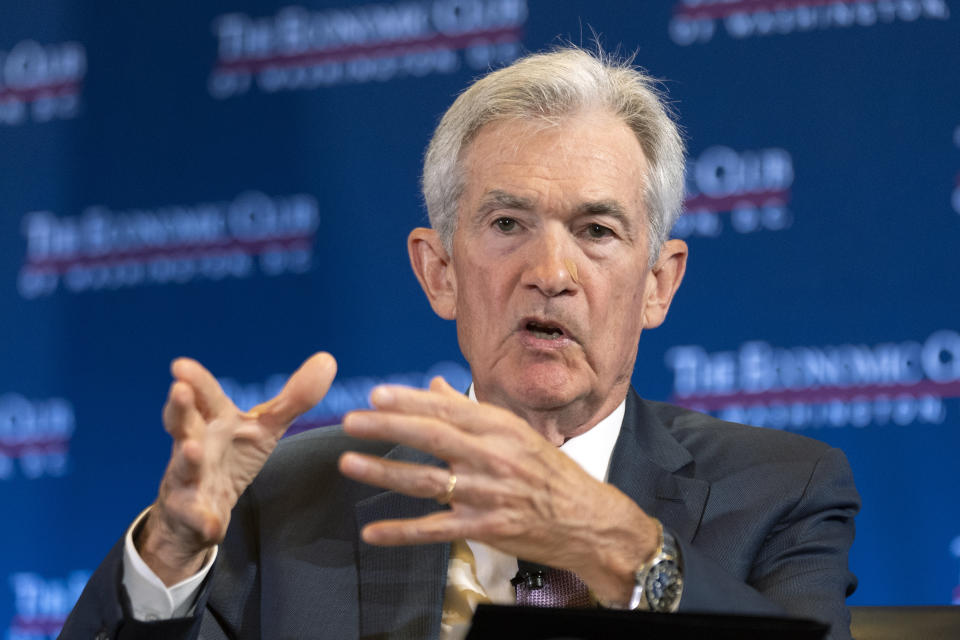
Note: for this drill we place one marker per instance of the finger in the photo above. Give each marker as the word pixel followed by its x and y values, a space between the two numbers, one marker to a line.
pixel 180 500
pixel 455 409
pixel 181 418
pixel 209 397
pixel 426 434
pixel 186 463
pixel 305 388
pixel 441 526
pixel 417 480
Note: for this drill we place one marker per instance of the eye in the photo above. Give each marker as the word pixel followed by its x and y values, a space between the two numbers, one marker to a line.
pixel 598 231
pixel 506 225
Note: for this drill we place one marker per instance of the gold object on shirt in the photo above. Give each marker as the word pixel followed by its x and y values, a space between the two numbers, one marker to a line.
pixel 463 593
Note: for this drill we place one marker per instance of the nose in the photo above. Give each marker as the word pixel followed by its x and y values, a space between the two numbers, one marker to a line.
pixel 549 263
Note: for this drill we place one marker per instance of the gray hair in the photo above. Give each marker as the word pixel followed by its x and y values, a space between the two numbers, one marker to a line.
pixel 544 86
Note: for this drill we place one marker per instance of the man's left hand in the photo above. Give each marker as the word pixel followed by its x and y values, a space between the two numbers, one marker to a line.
pixel 514 490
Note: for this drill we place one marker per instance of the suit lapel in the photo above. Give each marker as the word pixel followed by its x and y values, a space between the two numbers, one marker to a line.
pixel 650 466
pixel 401 588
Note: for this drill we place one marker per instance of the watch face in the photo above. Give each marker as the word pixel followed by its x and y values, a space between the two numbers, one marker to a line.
pixel 663 585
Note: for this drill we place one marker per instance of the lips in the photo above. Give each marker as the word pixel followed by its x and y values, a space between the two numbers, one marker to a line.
pixel 545 332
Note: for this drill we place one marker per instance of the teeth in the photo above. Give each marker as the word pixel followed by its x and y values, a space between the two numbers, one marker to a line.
pixel 544 333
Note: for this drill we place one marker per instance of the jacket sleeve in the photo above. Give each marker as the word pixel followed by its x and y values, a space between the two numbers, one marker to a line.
pixel 801 568
pixel 103 610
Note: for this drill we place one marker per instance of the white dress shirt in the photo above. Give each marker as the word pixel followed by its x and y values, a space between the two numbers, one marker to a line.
pixel 150 599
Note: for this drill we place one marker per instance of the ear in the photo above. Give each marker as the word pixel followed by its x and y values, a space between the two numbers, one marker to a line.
pixel 663 281
pixel 434 270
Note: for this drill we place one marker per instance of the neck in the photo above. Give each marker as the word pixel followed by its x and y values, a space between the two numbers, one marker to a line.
pixel 560 422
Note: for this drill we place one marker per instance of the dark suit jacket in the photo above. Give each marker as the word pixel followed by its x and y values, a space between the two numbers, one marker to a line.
pixel 764 520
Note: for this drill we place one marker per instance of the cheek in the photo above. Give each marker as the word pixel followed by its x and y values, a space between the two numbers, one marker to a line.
pixel 478 303
pixel 485 284
pixel 621 306
pixel 473 288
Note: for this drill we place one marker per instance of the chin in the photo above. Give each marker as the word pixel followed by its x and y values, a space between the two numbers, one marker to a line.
pixel 544 390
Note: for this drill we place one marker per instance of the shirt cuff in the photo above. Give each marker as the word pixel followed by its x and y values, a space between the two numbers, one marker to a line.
pixel 150 599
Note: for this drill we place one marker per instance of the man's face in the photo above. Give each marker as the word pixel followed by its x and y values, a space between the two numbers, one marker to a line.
pixel 550 262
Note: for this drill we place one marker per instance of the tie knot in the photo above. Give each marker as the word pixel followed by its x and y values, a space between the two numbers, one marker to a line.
pixel 560 588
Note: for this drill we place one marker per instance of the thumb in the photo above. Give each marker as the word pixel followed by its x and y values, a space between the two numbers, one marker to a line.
pixel 304 389
pixel 439 384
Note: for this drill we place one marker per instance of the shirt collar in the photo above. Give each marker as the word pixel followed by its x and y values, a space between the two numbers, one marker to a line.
pixel 592 449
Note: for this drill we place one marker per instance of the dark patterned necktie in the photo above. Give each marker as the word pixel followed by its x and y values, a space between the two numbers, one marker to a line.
pixel 560 588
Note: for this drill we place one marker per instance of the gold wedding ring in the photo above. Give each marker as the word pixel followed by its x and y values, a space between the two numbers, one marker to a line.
pixel 447 496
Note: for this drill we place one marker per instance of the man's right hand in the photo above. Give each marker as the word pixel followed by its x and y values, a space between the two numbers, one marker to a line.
pixel 217 452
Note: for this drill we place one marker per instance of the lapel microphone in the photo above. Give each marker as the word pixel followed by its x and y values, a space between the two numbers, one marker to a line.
pixel 530 573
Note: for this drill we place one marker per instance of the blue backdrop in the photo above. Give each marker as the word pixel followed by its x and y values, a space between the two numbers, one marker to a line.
pixel 234 180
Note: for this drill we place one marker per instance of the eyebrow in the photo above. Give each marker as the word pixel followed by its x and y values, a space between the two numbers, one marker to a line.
pixel 610 208
pixel 498 199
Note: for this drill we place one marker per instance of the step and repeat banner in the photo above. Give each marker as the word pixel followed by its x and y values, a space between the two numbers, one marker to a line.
pixel 234 180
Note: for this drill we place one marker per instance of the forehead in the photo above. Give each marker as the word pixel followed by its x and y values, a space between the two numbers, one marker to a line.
pixel 588 156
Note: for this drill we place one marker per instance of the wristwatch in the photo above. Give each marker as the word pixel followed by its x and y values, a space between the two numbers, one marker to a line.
pixel 661 579
pixel 658 583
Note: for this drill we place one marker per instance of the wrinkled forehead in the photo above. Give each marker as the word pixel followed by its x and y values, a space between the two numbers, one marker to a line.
pixel 592 151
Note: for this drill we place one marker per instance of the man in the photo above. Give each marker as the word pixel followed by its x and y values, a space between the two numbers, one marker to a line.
pixel 551 187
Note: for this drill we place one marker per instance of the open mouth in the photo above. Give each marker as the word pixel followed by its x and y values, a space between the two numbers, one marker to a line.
pixel 544 331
